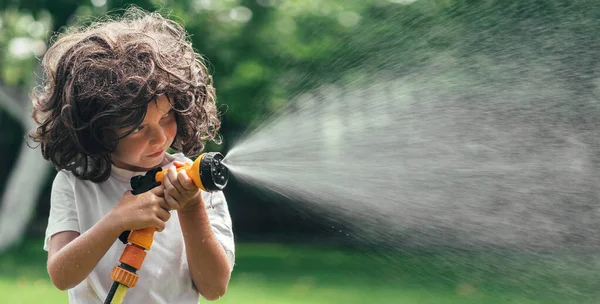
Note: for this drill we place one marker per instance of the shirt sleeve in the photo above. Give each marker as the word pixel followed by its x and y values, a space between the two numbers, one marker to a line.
pixel 63 211
pixel 220 220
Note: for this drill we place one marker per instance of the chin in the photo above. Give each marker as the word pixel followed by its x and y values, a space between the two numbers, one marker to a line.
pixel 158 161
pixel 147 165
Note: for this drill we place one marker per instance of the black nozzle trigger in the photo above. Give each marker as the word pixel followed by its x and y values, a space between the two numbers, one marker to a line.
pixel 141 184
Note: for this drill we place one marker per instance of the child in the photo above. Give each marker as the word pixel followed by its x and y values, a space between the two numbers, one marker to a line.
pixel 117 95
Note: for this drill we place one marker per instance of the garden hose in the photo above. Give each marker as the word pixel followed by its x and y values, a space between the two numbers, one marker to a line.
pixel 208 174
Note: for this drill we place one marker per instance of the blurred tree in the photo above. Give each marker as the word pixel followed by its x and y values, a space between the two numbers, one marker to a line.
pixel 263 53
pixel 248 54
pixel 24 38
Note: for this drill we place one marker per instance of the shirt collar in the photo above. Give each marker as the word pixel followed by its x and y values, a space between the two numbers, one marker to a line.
pixel 126 175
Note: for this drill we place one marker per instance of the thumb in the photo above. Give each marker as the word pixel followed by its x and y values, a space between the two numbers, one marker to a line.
pixel 158 190
pixel 179 164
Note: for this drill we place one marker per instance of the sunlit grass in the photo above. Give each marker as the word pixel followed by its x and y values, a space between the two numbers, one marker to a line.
pixel 268 273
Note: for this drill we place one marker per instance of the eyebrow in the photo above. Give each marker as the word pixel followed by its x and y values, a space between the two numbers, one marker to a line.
pixel 168 112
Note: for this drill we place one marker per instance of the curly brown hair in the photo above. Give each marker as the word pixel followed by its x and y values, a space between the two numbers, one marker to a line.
pixel 100 78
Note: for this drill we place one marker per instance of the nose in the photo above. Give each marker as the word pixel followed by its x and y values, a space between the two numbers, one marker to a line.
pixel 158 136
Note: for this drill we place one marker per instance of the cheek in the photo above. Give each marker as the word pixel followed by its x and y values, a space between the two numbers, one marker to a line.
pixel 127 148
pixel 171 131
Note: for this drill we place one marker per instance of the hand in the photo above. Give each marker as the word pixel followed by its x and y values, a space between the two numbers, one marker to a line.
pixel 148 209
pixel 180 191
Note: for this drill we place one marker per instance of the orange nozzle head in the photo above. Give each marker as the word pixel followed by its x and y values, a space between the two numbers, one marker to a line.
pixel 207 172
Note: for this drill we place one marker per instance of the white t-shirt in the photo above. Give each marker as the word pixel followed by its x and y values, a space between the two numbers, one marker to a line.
pixel 76 205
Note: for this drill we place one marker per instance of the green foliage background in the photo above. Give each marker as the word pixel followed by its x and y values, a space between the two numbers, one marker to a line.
pixel 263 53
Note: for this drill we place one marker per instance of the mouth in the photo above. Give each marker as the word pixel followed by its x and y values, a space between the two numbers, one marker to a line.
pixel 157 154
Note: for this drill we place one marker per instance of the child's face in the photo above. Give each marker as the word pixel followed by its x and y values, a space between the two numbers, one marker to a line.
pixel 145 148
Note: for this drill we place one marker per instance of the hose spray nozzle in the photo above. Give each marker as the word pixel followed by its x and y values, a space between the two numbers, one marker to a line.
pixel 207 172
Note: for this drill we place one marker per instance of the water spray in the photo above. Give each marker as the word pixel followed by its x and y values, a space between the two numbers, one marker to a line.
pixel 208 174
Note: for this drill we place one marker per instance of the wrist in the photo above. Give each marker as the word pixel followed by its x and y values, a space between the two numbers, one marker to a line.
pixel 189 208
pixel 112 225
pixel 193 204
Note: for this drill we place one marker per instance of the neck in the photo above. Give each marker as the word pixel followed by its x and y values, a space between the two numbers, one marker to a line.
pixel 126 166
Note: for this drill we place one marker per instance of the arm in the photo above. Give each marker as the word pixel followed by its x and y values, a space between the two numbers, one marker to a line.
pixel 71 257
pixel 209 266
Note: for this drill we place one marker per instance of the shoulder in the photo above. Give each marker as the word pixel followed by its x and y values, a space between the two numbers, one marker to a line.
pixel 67 180
pixel 64 178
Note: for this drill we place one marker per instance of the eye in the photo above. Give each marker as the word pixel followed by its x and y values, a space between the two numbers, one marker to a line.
pixel 168 114
pixel 138 129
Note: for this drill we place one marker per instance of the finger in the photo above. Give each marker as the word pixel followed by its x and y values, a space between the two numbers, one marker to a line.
pixel 163 215
pixel 160 225
pixel 185 181
pixel 172 202
pixel 183 163
pixel 173 174
pixel 162 203
pixel 169 180
pixel 158 191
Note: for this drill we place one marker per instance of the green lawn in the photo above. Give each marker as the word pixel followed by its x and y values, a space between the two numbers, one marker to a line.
pixel 269 273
